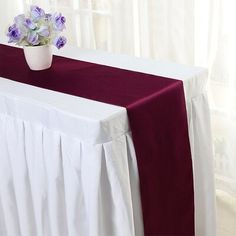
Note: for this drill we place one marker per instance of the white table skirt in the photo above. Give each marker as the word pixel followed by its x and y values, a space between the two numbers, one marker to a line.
pixel 68 164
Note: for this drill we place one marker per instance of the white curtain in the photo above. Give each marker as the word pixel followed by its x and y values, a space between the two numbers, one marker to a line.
pixel 223 93
pixel 194 32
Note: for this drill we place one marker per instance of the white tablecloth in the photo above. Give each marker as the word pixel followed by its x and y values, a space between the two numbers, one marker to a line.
pixel 68 165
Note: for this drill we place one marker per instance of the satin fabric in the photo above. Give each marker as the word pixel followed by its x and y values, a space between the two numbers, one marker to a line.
pixel 157 116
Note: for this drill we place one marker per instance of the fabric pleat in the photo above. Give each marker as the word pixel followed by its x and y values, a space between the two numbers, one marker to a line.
pixel 54 184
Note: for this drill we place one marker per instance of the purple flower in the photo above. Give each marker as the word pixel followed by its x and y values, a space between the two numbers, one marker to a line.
pixel 37 12
pixel 59 22
pixel 33 38
pixel 11 28
pixel 29 23
pixel 37 28
pixel 43 31
pixel 60 41
pixel 14 34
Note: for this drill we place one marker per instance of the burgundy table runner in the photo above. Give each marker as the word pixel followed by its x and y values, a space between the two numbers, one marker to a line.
pixel 158 122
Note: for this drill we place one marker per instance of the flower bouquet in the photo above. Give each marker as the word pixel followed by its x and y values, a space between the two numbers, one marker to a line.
pixel 36 31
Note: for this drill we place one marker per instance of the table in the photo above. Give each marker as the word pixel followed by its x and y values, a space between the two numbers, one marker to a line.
pixel 71 162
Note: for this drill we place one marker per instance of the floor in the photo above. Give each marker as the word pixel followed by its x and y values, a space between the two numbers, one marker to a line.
pixel 226 214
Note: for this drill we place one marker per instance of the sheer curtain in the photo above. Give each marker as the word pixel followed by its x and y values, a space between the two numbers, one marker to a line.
pixel 223 93
pixel 194 32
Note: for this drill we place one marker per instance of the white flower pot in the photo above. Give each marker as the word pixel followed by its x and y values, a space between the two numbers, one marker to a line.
pixel 38 57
